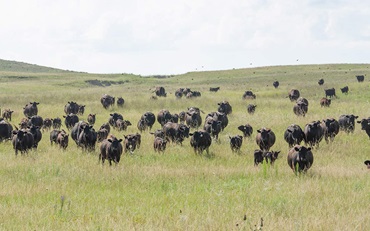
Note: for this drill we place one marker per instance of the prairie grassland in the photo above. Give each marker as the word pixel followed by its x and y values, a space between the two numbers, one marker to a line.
pixel 51 189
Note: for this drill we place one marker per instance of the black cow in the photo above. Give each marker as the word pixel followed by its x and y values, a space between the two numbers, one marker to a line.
pixel 54 135
pixel 121 125
pixel 365 125
pixel 131 142
pixel 225 107
pixel 47 123
pixel 120 102
pixel 265 138
pixel 87 138
pixel 321 82
pixel 111 150
pixel 214 89
pixel 300 158
pixel 91 118
pixel 345 90
pixel 159 144
pixel 294 135
pixel 325 102
pixel 165 116
pixel 347 123
pixel 71 107
pixel 246 129
pixel 148 119
pixel 7 114
pixel 236 143
pixel 102 134
pixel 367 163
pixel 81 109
pixel 300 109
pixel 179 92
pixel 37 135
pixel 62 140
pixel 330 92
pixel 6 130
pixel 213 127
pixel 106 126
pixel 30 109
pixel 160 91
pixel 331 129
pixel 269 157
pixel 36 121
pixel 251 108
pixel 200 141
pixel 314 132
pixel 22 141
pixel 175 133
pixel 193 119
pixel 57 123
pixel 293 95
pixel 158 133
pixel 360 78
pixel 107 101
pixel 219 116
pixel 77 130
pixel 113 117
pixel 248 95
pixel 276 84
pixel 70 120
pixel 302 100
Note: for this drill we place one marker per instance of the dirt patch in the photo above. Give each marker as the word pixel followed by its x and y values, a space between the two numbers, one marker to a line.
pixel 104 83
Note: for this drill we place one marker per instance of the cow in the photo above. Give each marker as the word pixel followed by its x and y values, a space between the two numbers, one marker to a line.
pixel 268 156
pixel 22 141
pixel 120 102
pixel 367 163
pixel 91 119
pixel 36 120
pixel 213 127
pixel 330 92
pixel 265 138
pixel 365 125
pixel 293 94
pixel 200 141
pixel 160 92
pixel 347 123
pixel 77 130
pixel 30 109
pixel 248 95
pixel 57 123
pixel 6 130
pixel 251 108
pixel 25 122
pixel 193 119
pixel 219 116
pixel 325 102
pixel 182 116
pixel 7 114
pixel 121 125
pixel 344 90
pixel 331 129
pixel 81 109
pixel 192 94
pixel 70 120
pixel 247 130
pixel 276 84
pixel 87 138
pixel 71 107
pixel 236 143
pixel 164 116
pixel 102 134
pixel 300 158
pixel 159 144
pixel 314 132
pixel 141 125
pixel 294 135
pixel 107 101
pixel 62 140
pixel 111 150
pixel 54 135
pixel 225 107
pixel 214 89
pixel 37 135
pixel 47 123
pixel 179 93
pixel 113 118
pixel 148 119
pixel 158 133
pixel 302 100
pixel 321 82
pixel 300 109
pixel 360 78
pixel 131 142
pixel 106 126
pixel 176 133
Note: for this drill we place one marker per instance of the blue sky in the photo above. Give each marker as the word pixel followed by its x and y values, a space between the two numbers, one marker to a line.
pixel 173 37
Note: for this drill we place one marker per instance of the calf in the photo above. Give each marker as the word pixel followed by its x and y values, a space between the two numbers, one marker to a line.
pixel 37 135
pixel 159 144
pixel 325 102
pixel 130 142
pixel 47 124
pixel 62 140
pixel 246 129
pixel 57 123
pixel 236 143
pixel 251 108
pixel 22 141
pixel 345 90
pixel 91 119
pixel 120 102
pixel 111 150
pixel 300 158
pixel 300 109
pixel 7 114
pixel 121 125
pixel 269 157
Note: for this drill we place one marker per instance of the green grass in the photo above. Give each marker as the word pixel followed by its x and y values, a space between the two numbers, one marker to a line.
pixel 53 189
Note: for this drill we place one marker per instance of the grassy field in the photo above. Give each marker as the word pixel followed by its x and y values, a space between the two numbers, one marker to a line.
pixel 52 189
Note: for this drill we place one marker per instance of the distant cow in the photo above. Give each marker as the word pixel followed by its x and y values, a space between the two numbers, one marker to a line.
pixel 159 144
pixel 331 129
pixel 81 109
pixel 214 89
pixel 70 120
pixel 314 132
pixel 325 102
pixel 71 107
pixel 179 93
pixel 302 100
pixel 121 125
pixel 131 142
pixel 30 109
pixel 47 124
pixel 300 109
pixel 344 90
pixel 365 125
pixel 113 117
pixel 160 91
pixel 293 95
pixel 91 119
pixel 148 119
pixel 225 107
pixel 213 127
pixel 175 133
pixel 269 156
pixel 165 116
pixel 36 120
pixel 330 92
pixel 360 78
pixel 200 141
pixel 219 116
pixel 7 114
pixel 36 133
pixel 300 158
pixel 275 84
pixel 321 82
pixel 294 135
pixel 236 143
pixel 248 95
pixel 251 108
pixel 62 140
pixel 246 129
pixel 265 138
pixel 107 101
pixel 6 130
pixel 57 123
pixel 111 150
pixel 193 119
pixel 347 123
pixel 120 102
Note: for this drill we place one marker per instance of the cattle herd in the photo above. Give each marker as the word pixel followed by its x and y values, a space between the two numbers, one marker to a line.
pixel 176 128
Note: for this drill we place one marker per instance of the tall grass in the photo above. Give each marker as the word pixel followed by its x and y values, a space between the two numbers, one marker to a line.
pixel 52 189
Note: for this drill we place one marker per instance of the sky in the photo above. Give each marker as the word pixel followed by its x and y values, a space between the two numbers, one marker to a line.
pixel 149 37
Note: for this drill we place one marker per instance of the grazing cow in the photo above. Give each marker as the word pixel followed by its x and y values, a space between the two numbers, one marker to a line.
pixel 300 158
pixel 70 120
pixel 176 133
pixel 214 89
pixel 294 135
pixel 300 109
pixel 148 119
pixel 325 102
pixel 102 134
pixel 71 107
pixel 246 129
pixel 251 108
pixel 293 95
pixel 219 116
pixel 57 123
pixel 36 121
pixel 347 123
pixel 111 150
pixel 332 129
pixel 213 127
pixel 367 163
pixel 365 125
pixel 160 91
pixel 360 78
pixel 330 92
pixel 6 130
pixel 265 138
pixel 121 125
pixel 248 95
pixel 321 82
pixel 236 143
pixel 314 132
pixel 47 123
pixel 107 101
pixel 276 84
pixel 91 119
pixel 62 140
pixel 269 157
pixel 200 141
pixel 345 90
pixel 225 107
pixel 159 144
pixel 81 109
pixel 22 141
pixel 87 138
pixel 131 142
pixel 120 102
pixel 113 118
pixel 7 114
pixel 30 109
pixel 37 135
pixel 164 116
pixel 179 93
pixel 193 119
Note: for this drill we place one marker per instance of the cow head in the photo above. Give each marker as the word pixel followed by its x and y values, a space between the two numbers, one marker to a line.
pixel 365 124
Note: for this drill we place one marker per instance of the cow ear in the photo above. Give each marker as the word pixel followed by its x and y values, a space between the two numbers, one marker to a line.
pixel 190 134
pixel 110 141
pixel 356 117
pixel 309 149
pixel 259 131
pixel 296 148
pixel 359 122
pixel 120 140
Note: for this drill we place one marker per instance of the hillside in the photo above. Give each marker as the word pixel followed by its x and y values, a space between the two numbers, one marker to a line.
pixel 14 66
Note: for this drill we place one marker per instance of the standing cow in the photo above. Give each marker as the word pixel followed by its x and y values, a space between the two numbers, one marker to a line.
pixel 265 138
pixel 200 141
pixel 111 150
pixel 325 102
pixel 236 143
pixel 347 123
pixel 225 107
pixel 7 114
pixel 251 108
pixel 293 95
pixel 275 84
pixel 331 129
pixel 360 78
pixel 160 91
pixel 321 82
pixel 330 92
pixel 30 109
pixel 365 125
pixel 107 101
pixel 247 130
pixel 300 158
pixel 314 132
pixel 344 90
pixel 294 135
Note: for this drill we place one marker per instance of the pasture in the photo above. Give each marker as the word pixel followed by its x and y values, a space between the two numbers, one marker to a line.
pixel 52 189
